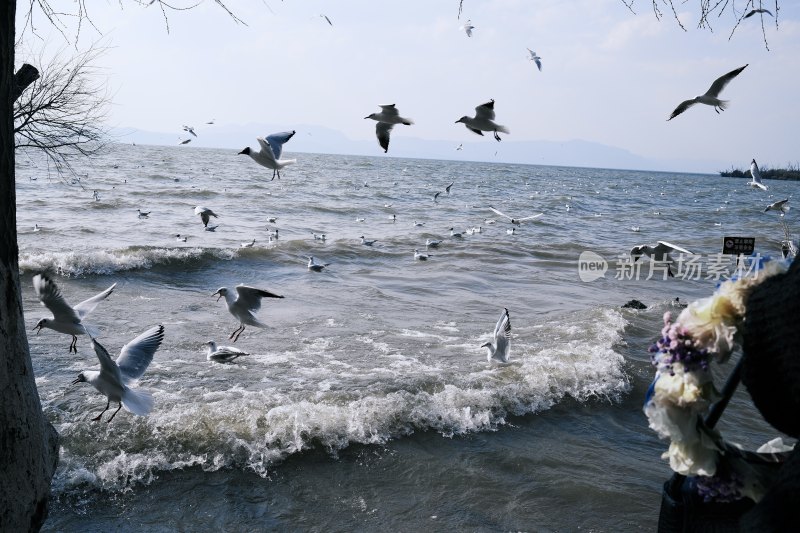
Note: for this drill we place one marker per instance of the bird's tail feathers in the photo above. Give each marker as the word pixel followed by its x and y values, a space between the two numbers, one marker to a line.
pixel 723 104
pixel 286 162
pixel 502 129
pixel 137 401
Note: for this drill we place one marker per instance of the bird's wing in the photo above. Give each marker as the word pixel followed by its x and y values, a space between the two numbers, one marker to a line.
pixel 485 111
pixel 502 336
pixel 672 248
pixel 683 106
pixel 106 363
pixel 204 217
pixel 500 213
pixel 327 19
pixel 435 196
pixel 448 187
pixel 50 296
pixel 277 140
pixel 759 185
pixel 389 110
pixel 136 355
pixel 530 217
pixel 87 306
pixel 382 130
pixel 266 149
pixel 538 61
pixel 722 81
pixel 250 297
pixel 780 203
pixel 473 130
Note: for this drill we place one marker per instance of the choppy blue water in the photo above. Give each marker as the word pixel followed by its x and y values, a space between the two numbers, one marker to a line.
pixel 368 403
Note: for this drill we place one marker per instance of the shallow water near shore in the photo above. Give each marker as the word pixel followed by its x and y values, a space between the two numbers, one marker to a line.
pixel 368 403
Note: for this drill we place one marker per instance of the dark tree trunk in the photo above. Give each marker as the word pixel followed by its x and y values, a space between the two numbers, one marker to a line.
pixel 28 443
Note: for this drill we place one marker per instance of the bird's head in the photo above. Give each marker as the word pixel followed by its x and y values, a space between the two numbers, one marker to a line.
pixel 486 345
pixel 246 151
pixel 211 345
pixel 372 116
pixel 80 379
pixel 222 291
pixel 636 253
pixel 462 119
pixel 39 325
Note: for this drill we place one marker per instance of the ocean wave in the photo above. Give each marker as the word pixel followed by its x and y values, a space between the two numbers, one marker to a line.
pixel 103 262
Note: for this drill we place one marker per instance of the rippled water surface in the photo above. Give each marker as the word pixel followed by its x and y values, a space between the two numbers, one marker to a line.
pixel 368 403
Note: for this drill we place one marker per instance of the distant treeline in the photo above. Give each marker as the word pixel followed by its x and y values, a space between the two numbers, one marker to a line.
pixel 791 172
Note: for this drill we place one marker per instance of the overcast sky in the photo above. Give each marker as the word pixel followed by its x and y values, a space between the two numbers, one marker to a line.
pixel 608 76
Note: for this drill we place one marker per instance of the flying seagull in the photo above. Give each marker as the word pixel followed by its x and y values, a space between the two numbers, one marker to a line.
pixel 205 214
pixel 243 305
pixel 467 28
pixel 755 180
pixel 754 11
pixel 387 118
pixel 66 319
pixel 270 154
pixel 190 129
pixel 483 120
pixel 114 378
pixel 222 354
pixel 659 252
pixel 711 95
pixel 497 352
pixel 536 59
pixel 447 189
pixel 779 206
pixel 327 19
pixel 516 221
pixel 184 141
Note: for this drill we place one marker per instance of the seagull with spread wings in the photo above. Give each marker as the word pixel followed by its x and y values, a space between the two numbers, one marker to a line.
pixel 114 377
pixel 779 206
pixel 536 59
pixel 513 220
pixel 660 253
pixel 711 97
pixel 755 177
pixel 498 351
pixel 242 306
pixel 270 154
pixel 205 214
pixel 483 120
pixel 387 118
pixel 66 319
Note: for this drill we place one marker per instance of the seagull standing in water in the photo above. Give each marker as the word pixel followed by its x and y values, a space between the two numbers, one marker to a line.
pixel 205 214
pixel 387 118
pixel 536 59
pixel 755 177
pixel 497 352
pixel 243 305
pixel 779 206
pixel 419 256
pixel 711 96
pixel 114 378
pixel 66 319
pixel 222 354
pixel 314 266
pixel 660 252
pixel 483 121
pixel 270 154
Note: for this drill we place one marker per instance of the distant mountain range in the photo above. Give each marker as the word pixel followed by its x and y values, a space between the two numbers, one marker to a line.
pixel 319 139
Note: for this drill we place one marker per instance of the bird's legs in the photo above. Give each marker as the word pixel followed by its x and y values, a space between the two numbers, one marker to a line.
pixel 73 347
pixel 496 136
pixel 95 419
pixel 237 335
pixel 237 330
pixel 115 413
pixel 276 172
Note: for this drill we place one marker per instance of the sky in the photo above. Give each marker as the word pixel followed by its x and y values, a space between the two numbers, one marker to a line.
pixel 609 76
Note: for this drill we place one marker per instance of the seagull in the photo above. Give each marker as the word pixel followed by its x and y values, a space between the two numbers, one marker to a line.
pixel 113 378
pixel 516 221
pixel 468 27
pixel 205 214
pixel 418 224
pixel 190 129
pixel 222 354
pixel 460 146
pixel 320 237
pixel 96 196
pixel 447 189
pixel 211 121
pixel 327 19
pixel 780 206
pixel 272 220
pixel 420 256
pixel 212 228
pixel 36 227
pixel 429 243
pixel 511 231
pixel 536 59
pixel 180 239
pixel 243 305
pixel 659 252
pixel 248 244
pixel 711 95
pixel 455 235
pixel 754 11
pixel 184 141
pixel 66 319
pixel 360 219
pixel 270 154
pixel 366 242
pixel 142 214
pixel 635 229
pixel 755 174
pixel 315 267
pixel 436 196
pixel 498 352
pixel 483 120
pixel 387 118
